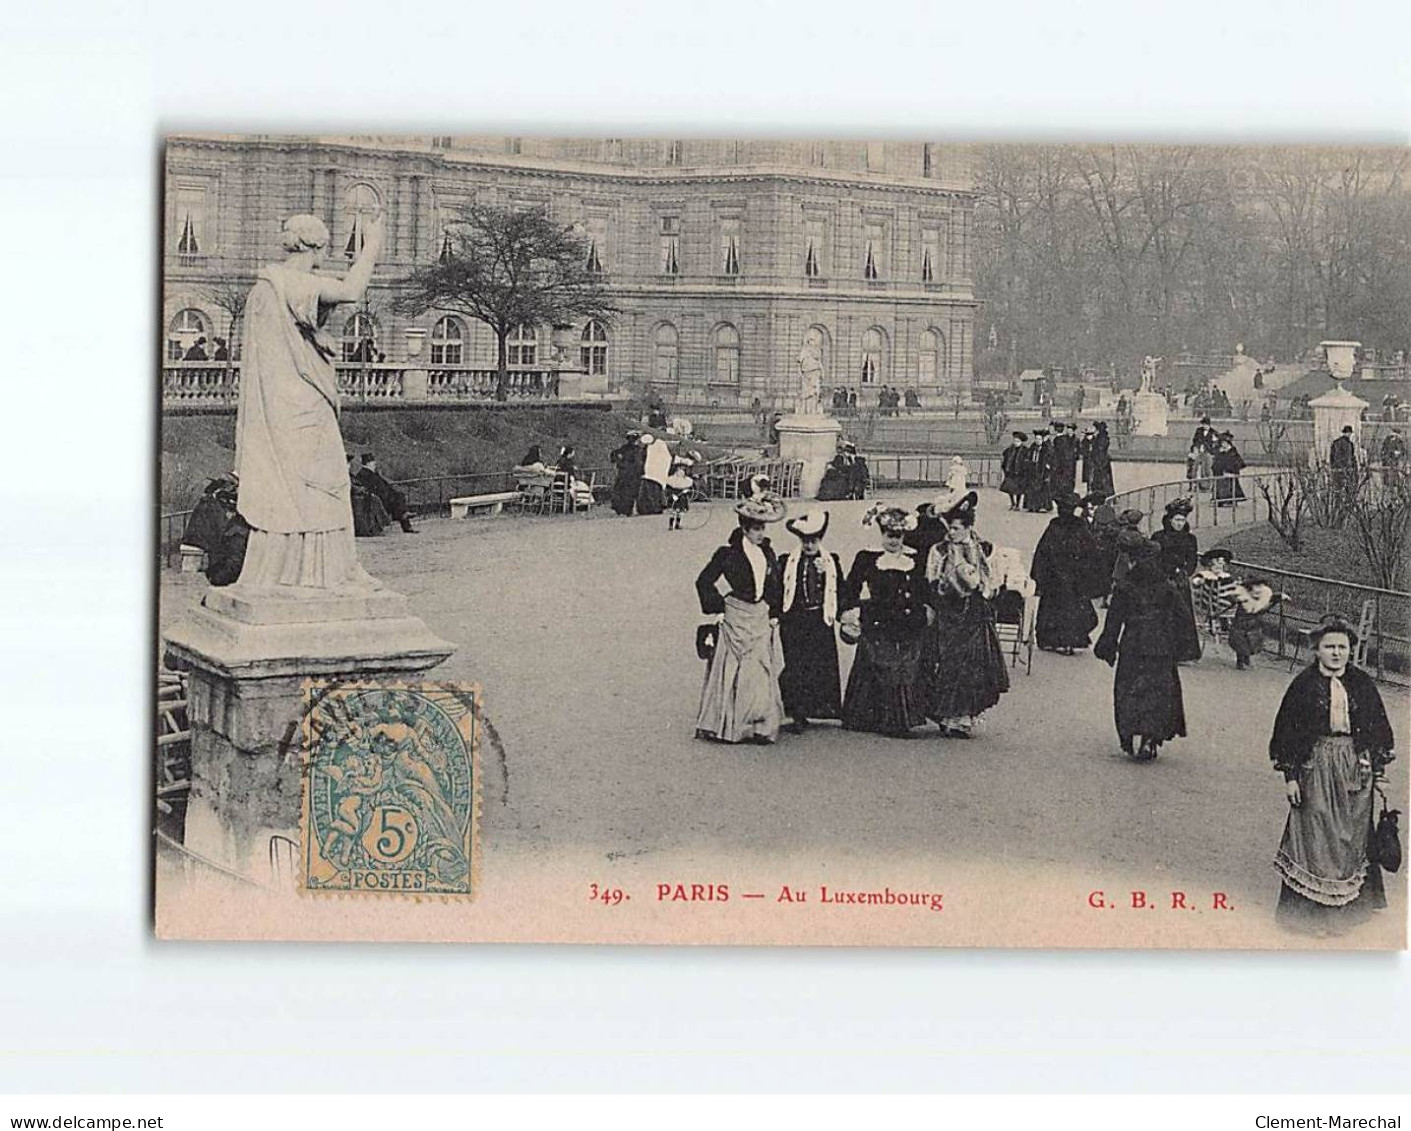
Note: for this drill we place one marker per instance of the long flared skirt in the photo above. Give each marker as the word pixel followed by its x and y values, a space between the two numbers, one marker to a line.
pixel 624 493
pixel 1228 490
pixel 810 684
pixel 887 687
pixel 1187 634
pixel 651 497
pixel 965 664
pixel 1065 620
pixel 740 700
pixel 1329 882
pixel 1147 699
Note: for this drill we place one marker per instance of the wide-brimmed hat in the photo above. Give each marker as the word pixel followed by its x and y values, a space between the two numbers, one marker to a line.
pixel 1179 506
pixel 763 508
pixel 1333 623
pixel 1130 517
pixel 962 510
pixel 1218 552
pixel 1205 420
pixel 810 524
pixel 890 518
pixel 1067 502
pixel 1019 435
pixel 646 438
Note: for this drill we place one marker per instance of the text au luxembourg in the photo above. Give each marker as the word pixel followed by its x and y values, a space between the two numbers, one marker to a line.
pixel 720 893
pixel 1326 1122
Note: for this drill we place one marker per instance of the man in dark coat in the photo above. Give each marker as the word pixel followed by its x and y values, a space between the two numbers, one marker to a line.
pixel 1393 457
pixel 395 501
pixel 859 479
pixel 1065 458
pixel 1342 457
pixel 1067 573
pixel 1202 451
pixel 1038 497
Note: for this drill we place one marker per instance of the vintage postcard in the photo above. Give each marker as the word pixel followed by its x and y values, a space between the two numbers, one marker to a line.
pixel 795 542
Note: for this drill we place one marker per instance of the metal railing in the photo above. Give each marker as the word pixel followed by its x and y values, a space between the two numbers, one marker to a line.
pixel 1242 504
pixel 897 469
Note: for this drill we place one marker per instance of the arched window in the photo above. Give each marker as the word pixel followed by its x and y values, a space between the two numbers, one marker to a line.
pixel 360 204
pixel 448 341
pixel 185 331
pixel 593 353
pixel 666 357
pixel 873 345
pixel 727 354
pixel 928 359
pixel 360 338
pixel 523 345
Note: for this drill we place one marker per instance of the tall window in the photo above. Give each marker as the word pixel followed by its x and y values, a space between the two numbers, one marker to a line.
pixel 876 156
pixel 928 360
pixel 186 329
pixel 930 254
pixel 189 221
pixel 666 354
pixel 514 146
pixel 874 251
pixel 727 354
pixel 817 154
pixel 447 342
pixel 815 233
pixel 593 353
pixel 597 231
pixel 872 344
pixel 523 345
pixel 360 338
pixel 926 165
pixel 730 245
pixel 360 205
pixel 671 245
pixel 674 151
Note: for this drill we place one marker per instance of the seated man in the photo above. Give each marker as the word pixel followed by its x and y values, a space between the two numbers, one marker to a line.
pixel 395 501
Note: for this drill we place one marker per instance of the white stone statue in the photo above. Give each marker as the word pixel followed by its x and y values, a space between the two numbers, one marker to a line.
pixel 810 379
pixel 1149 365
pixel 289 455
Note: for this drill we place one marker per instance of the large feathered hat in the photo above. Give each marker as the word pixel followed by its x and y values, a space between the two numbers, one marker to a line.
pixel 810 524
pixel 891 519
pixel 762 508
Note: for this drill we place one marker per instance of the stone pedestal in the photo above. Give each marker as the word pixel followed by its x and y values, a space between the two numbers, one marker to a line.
pixel 416 385
pixel 1331 412
pixel 812 439
pixel 247 656
pixel 1148 414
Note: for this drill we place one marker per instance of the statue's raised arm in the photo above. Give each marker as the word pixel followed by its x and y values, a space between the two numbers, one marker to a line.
pixel 294 486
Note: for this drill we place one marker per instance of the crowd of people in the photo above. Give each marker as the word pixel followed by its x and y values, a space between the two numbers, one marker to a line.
pixel 1213 454
pixel 1040 466
pixel 919 611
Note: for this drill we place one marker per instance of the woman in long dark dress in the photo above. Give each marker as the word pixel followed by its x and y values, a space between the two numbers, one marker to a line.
pixel 1332 740
pixel 1227 465
pixel 1011 462
pixel 628 459
pixel 1141 639
pixel 1097 463
pixel 1180 557
pixel 886 690
pixel 740 700
pixel 812 585
pixel 1067 572
pixel 965 663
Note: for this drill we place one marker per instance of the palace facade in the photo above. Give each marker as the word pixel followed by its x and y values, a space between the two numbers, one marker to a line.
pixel 725 256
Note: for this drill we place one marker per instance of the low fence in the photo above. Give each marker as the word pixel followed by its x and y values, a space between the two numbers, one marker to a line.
pixel 203 384
pixel 897 469
pixel 1244 502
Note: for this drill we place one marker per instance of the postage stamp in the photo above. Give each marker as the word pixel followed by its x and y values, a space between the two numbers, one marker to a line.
pixel 391 789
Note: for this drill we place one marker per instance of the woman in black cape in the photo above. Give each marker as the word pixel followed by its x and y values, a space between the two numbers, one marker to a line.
pixel 1180 557
pixel 1332 741
pixel 1067 570
pixel 1227 465
pixel 628 459
pixel 1141 639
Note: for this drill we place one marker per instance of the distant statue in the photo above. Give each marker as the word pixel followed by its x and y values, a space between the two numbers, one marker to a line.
pixel 1149 365
pixel 810 379
pixel 289 455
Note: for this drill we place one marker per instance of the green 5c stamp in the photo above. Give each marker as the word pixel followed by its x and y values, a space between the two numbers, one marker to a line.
pixel 391 789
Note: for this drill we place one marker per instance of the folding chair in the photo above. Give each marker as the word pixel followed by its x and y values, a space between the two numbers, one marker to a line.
pixel 1014 625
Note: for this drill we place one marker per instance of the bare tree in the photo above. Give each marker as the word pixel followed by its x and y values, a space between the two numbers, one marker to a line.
pixel 230 295
pixel 1287 504
pixel 509 267
pixel 1381 525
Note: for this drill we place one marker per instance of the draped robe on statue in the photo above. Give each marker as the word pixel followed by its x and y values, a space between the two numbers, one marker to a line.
pixel 294 486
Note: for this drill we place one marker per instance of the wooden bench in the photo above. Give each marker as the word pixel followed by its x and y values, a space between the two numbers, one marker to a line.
pixel 494 502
